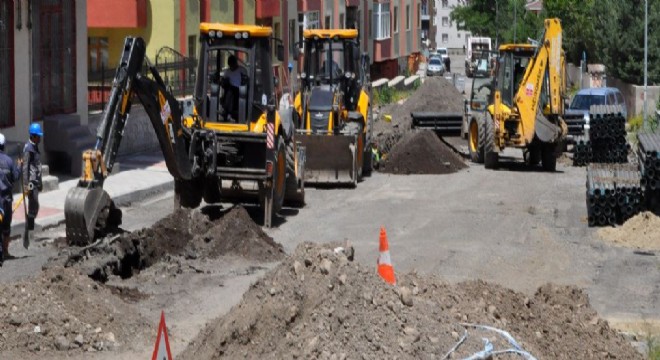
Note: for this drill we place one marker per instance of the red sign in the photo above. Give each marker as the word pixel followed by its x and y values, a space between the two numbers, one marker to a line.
pixel 162 348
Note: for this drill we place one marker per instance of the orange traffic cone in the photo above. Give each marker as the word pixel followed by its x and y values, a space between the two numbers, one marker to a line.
pixel 385 268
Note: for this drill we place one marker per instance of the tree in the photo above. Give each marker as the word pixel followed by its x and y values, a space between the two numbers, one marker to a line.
pixel 621 39
pixel 496 18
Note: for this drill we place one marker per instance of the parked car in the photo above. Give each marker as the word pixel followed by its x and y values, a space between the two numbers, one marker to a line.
pixel 585 98
pixel 435 67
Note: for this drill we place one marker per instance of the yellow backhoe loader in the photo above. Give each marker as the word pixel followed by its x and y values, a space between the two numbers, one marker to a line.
pixel 333 107
pixel 524 103
pixel 231 145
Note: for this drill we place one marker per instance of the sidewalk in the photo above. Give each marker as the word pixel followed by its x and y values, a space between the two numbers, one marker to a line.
pixel 139 177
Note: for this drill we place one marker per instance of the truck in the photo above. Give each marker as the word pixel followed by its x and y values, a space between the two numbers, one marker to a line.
pixel 474 62
pixel 232 145
pixel 332 109
pixel 523 103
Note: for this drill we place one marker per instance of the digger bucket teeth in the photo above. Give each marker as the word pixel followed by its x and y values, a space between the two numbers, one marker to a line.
pixel 330 159
pixel 82 208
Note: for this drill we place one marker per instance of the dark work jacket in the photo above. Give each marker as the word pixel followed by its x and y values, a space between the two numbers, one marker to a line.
pixel 31 164
pixel 9 173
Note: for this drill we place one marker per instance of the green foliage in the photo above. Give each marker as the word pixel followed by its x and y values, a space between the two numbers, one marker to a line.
pixel 383 95
pixel 636 123
pixel 654 348
pixel 496 18
pixel 387 95
pixel 607 31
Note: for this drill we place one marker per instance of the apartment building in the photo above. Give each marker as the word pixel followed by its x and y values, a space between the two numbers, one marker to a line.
pixel 447 33
pixel 42 46
pixel 396 33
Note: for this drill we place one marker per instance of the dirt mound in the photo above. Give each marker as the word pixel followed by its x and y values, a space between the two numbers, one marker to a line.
pixel 435 94
pixel 421 152
pixel 184 233
pixel 642 231
pixel 236 233
pixel 318 304
pixel 64 310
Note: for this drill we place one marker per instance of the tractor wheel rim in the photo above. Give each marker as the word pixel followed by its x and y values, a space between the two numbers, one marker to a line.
pixel 474 136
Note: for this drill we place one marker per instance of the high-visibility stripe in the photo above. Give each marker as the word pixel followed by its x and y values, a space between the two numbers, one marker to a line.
pixel 385 259
pixel 270 136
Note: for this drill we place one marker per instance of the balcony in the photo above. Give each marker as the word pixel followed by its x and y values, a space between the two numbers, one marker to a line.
pixel 121 14
pixel 267 9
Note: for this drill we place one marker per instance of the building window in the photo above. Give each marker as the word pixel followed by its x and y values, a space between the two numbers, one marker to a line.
pixel 277 34
pixel 395 18
pixel 408 19
pixel 53 57
pixel 445 21
pixel 459 35
pixel 445 4
pixel 308 20
pixel 371 28
pixel 292 37
pixel 419 16
pixel 328 22
pixel 341 21
pixel 445 38
pixel 192 46
pixel 6 64
pixel 98 53
pixel 382 20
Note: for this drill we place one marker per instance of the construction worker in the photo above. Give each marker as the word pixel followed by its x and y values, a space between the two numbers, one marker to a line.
pixel 31 166
pixel 375 155
pixel 9 174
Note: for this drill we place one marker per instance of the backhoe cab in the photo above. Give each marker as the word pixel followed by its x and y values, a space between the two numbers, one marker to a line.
pixel 525 104
pixel 333 107
pixel 232 145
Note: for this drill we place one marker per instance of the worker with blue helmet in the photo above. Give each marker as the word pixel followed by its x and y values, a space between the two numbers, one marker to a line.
pixel 31 165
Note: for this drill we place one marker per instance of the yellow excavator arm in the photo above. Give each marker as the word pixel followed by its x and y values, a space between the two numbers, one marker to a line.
pixel 535 95
pixel 87 203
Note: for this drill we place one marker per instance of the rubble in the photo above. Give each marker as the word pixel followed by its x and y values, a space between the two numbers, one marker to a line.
pixel 185 234
pixel 60 310
pixel 322 317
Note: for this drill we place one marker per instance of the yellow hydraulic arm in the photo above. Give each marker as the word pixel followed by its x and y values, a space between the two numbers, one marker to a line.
pixel 534 106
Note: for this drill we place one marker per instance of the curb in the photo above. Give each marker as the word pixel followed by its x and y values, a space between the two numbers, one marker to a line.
pixel 121 200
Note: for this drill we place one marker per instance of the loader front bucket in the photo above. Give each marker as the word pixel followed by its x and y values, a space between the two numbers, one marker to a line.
pixel 330 159
pixel 85 212
pixel 444 124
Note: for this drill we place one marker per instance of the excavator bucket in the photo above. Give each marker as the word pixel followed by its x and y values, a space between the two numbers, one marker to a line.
pixel 330 159
pixel 85 212
pixel 444 124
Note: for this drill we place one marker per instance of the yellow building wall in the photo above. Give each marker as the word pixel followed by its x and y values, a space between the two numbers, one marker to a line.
pixel 159 31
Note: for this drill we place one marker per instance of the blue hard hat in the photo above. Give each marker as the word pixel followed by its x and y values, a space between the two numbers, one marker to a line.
pixel 35 129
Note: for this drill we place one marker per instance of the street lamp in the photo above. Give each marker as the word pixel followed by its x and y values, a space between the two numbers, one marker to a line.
pixel 646 45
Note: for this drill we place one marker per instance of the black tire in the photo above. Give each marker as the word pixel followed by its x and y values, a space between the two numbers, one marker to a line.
pixel 533 155
pixel 294 193
pixel 368 164
pixel 211 194
pixel 475 140
pixel 279 175
pixel 548 157
pixel 491 153
pixel 188 193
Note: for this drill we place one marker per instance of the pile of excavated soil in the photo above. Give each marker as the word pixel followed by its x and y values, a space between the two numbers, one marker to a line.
pixel 319 304
pixel 421 152
pixel 184 233
pixel 435 94
pixel 66 311
pixel 642 231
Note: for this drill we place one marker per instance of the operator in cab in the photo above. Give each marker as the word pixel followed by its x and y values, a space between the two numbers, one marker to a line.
pixel 231 83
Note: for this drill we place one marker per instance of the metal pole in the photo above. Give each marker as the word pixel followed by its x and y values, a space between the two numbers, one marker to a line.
pixel 497 25
pixel 646 45
pixel 515 18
